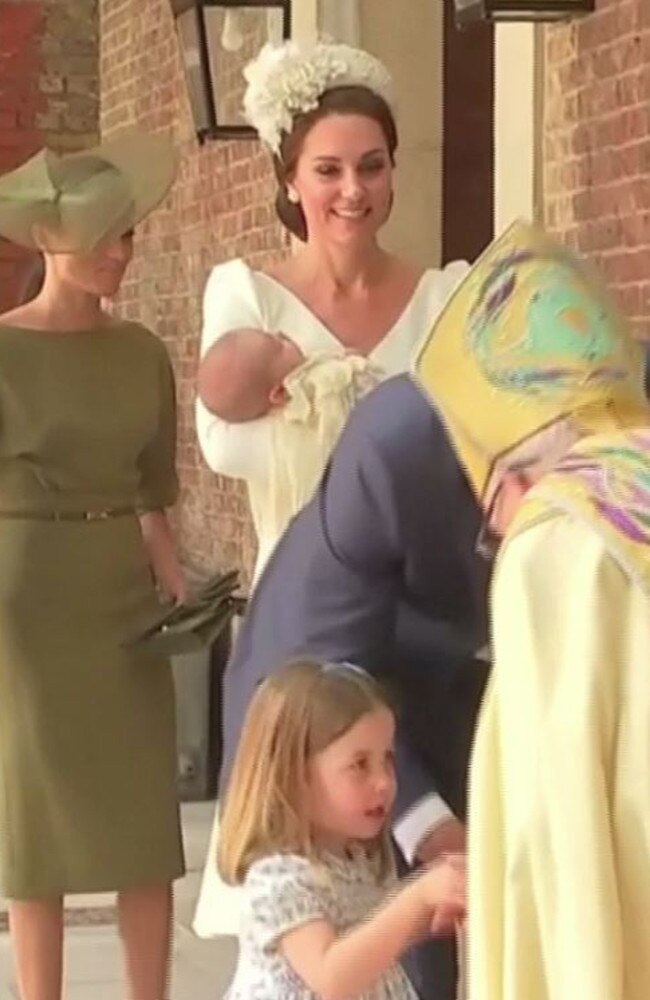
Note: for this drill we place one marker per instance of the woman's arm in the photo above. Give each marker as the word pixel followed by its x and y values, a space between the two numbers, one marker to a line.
pixel 159 543
pixel 158 485
pixel 338 968
pixel 238 450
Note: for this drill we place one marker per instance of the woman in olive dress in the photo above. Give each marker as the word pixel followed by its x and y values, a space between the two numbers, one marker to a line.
pixel 87 467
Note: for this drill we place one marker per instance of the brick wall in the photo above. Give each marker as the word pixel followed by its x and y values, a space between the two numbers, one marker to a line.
pixel 48 94
pixel 596 147
pixel 221 207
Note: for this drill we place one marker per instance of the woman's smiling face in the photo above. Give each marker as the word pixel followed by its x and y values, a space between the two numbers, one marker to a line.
pixel 343 178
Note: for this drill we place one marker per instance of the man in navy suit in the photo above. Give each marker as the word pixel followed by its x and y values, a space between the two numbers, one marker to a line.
pixel 382 569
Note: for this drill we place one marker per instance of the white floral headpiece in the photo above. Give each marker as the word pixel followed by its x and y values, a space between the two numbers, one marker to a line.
pixel 286 80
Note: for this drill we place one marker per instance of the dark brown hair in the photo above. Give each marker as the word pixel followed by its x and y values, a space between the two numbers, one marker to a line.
pixel 337 101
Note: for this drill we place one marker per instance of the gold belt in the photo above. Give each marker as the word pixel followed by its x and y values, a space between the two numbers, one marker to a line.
pixel 66 515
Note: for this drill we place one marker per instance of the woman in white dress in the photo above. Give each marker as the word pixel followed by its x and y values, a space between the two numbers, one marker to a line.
pixel 325 114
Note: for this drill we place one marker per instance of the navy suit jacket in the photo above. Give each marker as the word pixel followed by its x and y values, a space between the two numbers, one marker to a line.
pixel 380 569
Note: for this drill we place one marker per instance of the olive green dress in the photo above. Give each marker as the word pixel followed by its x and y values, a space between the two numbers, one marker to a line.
pixel 87 728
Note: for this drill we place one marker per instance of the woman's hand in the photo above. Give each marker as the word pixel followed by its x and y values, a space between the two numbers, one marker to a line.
pixel 161 550
pixel 170 579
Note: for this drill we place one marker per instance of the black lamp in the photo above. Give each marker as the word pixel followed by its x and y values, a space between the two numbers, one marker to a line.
pixel 217 39
pixel 468 11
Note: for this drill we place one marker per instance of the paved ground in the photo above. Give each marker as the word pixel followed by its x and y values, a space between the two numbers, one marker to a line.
pixel 201 969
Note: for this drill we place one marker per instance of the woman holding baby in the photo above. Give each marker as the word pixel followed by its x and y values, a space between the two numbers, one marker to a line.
pixel 333 142
pixel 305 338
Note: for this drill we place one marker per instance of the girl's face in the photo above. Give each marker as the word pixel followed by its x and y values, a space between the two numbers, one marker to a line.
pixel 98 272
pixel 343 178
pixel 351 783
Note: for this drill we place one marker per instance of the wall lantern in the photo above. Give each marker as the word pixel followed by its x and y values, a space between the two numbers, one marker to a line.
pixel 468 11
pixel 217 39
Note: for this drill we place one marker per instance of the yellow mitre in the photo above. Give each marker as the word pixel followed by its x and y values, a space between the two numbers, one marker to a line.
pixel 529 337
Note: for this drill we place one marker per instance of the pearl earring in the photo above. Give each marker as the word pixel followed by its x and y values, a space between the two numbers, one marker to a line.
pixel 293 196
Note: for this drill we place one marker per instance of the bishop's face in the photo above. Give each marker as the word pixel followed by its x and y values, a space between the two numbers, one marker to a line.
pixel 515 473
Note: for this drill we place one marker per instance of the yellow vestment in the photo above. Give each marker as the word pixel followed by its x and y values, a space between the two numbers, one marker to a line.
pixel 559 819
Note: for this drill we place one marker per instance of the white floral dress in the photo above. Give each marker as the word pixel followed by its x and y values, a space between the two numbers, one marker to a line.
pixel 285 891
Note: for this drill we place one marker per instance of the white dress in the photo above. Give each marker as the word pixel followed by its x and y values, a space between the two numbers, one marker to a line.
pixel 236 296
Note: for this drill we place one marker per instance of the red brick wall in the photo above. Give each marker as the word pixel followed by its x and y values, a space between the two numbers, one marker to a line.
pixel 21 32
pixel 48 94
pixel 221 207
pixel 596 155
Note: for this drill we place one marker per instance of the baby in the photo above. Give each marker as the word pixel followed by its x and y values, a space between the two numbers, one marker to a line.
pixel 248 374
pixel 242 375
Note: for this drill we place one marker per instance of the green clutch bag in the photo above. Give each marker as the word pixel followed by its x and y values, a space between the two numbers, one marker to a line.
pixel 196 624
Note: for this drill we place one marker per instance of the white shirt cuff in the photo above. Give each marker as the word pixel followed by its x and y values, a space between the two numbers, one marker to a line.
pixel 411 828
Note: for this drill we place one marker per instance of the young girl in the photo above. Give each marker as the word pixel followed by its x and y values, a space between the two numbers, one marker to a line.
pixel 305 830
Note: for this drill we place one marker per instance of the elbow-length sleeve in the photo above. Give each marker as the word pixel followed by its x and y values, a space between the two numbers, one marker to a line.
pixel 230 301
pixel 158 485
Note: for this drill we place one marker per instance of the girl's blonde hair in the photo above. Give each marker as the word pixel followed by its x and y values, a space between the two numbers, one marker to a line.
pixel 294 714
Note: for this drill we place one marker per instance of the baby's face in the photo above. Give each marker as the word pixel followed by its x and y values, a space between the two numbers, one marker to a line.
pixel 284 356
pixel 269 359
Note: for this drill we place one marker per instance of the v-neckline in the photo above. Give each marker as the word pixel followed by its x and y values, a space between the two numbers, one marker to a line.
pixel 330 333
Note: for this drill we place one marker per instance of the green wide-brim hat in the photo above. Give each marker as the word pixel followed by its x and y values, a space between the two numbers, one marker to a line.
pixel 74 203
